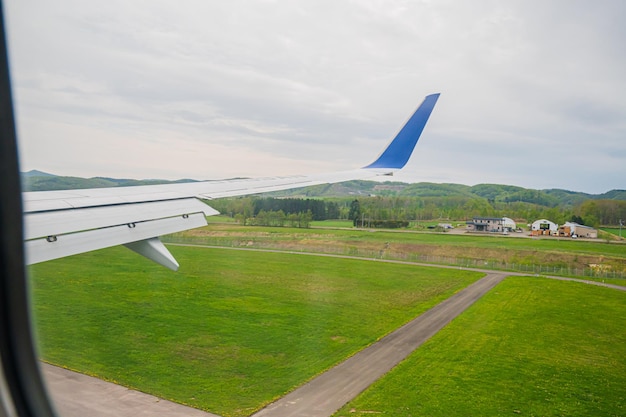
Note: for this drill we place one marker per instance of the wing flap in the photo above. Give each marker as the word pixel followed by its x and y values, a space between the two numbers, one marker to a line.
pixel 53 223
pixel 47 248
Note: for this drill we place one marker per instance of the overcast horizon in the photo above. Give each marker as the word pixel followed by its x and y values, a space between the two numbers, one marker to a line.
pixel 533 94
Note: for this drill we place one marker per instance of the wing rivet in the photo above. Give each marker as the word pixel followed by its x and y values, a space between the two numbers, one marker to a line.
pixel 131 225
pixel 185 216
pixel 51 239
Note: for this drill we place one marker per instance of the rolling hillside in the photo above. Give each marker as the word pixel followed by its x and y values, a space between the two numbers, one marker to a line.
pixel 42 181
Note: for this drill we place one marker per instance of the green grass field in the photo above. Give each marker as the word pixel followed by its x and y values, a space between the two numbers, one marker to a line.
pixel 232 330
pixel 332 223
pixel 619 232
pixel 532 346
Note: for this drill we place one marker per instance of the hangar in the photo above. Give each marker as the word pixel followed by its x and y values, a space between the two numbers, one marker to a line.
pixel 571 229
pixel 543 227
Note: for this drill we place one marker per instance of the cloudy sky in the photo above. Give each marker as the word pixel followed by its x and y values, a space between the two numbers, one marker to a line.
pixel 533 93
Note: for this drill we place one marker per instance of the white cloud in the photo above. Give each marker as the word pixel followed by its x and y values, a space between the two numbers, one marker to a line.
pixel 252 85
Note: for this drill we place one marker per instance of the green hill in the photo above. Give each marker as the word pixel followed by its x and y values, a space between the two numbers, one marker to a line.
pixel 41 181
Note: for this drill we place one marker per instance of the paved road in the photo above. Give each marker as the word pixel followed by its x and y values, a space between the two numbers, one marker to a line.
pixel 78 395
pixel 330 391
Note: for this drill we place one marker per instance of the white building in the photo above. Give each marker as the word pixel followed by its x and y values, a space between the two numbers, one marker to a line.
pixel 491 224
pixel 571 229
pixel 509 224
pixel 485 224
pixel 543 227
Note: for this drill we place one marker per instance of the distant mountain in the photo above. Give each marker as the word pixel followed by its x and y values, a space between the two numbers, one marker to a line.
pixel 35 173
pixel 429 189
pixel 613 195
pixel 570 198
pixel 490 192
pixel 41 181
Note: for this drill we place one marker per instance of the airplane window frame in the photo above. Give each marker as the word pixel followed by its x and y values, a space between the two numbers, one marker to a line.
pixel 22 391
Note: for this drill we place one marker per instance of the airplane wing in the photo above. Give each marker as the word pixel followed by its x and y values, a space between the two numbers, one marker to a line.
pixel 64 223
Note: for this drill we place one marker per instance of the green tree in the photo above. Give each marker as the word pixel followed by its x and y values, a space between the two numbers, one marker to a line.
pixel 332 210
pixel 355 212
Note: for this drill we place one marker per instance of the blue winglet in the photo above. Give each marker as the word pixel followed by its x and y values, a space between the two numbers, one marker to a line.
pixel 399 150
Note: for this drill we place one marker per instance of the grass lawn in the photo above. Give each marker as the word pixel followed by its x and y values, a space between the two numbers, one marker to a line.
pixel 531 346
pixel 332 223
pixel 615 231
pixel 232 330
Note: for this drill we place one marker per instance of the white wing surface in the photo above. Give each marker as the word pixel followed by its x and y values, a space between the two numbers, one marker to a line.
pixel 64 223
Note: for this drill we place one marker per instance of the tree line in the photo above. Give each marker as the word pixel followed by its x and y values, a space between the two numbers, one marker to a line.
pixel 299 212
